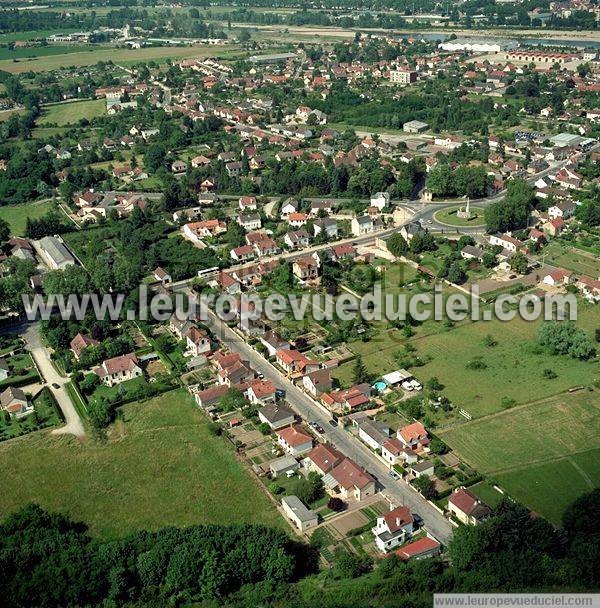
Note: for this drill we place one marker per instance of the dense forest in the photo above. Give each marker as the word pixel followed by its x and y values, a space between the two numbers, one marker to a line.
pixel 48 560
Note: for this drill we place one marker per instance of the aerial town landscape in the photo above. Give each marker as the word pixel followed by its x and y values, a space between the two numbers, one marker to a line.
pixel 197 165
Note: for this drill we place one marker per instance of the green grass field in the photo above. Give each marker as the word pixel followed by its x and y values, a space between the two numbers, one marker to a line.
pixel 544 454
pixel 121 56
pixel 69 113
pixel 547 489
pixel 39 51
pixel 514 366
pixel 159 467
pixel 16 215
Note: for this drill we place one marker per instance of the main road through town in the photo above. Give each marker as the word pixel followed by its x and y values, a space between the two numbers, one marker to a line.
pixel 396 490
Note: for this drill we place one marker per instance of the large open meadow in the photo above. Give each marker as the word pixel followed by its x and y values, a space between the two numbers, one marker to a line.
pixel 160 466
pixel 514 366
pixel 117 55
pixel 72 112
pixel 545 453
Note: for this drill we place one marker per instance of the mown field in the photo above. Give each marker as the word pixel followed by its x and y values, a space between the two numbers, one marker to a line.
pixel 545 454
pixel 117 55
pixel 16 215
pixel 160 466
pixel 72 112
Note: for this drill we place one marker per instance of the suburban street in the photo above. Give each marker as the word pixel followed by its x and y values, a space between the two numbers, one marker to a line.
pixel 397 491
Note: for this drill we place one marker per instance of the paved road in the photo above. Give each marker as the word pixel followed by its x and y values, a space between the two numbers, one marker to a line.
pixel 41 355
pixel 397 491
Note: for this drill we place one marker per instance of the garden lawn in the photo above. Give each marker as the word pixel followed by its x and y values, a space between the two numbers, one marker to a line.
pixel 16 215
pixel 160 466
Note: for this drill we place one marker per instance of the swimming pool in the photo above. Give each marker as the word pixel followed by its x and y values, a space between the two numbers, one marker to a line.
pixel 380 386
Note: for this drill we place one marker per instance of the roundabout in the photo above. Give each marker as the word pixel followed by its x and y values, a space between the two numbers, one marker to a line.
pixel 449 216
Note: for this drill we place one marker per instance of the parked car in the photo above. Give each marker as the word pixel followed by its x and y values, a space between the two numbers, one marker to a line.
pixel 407 385
pixel 333 422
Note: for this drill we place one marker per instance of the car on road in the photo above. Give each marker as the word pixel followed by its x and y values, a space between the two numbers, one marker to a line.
pixel 55 385
pixel 333 422
pixel 418 520
pixel 312 424
pixel 394 475
pixel 279 393
pixel 261 376
pixel 320 429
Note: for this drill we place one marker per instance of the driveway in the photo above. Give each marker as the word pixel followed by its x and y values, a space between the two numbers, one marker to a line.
pixel 398 492
pixel 41 356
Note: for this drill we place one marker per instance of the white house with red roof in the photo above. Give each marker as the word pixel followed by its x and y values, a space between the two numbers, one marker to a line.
pixel 392 528
pixel 119 369
pixel 558 278
pixel 294 440
pixel 589 288
pixel 467 508
pixel 394 452
pixel 293 362
pixel 261 392
pixel 413 436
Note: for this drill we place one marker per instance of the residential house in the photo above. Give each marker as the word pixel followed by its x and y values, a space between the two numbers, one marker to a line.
pixel 373 433
pixel 14 401
pixel 395 452
pixel 392 528
pixel 563 210
pixel 261 392
pixel 470 252
pixel 249 221
pixel 211 396
pixel 283 465
pixel 421 548
pixel 288 207
pixel 295 363
pixel 323 458
pixel 244 253
pixel 554 227
pixel 413 436
pixel 237 373
pixel 349 399
pixel 306 268
pixel 297 220
pixel 119 369
pixel 345 251
pixel 350 480
pixel 80 342
pixel 424 468
pixel 197 342
pixel 276 416
pixel 4 370
pixel 299 514
pixel 589 288
pixel 318 382
pixel 506 242
pixel 160 274
pixel 294 440
pixel 247 203
pixel 326 225
pixel 273 342
pixel 467 508
pixel 380 200
pixel 195 231
pixel 297 239
pixel 362 225
pixel 558 278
